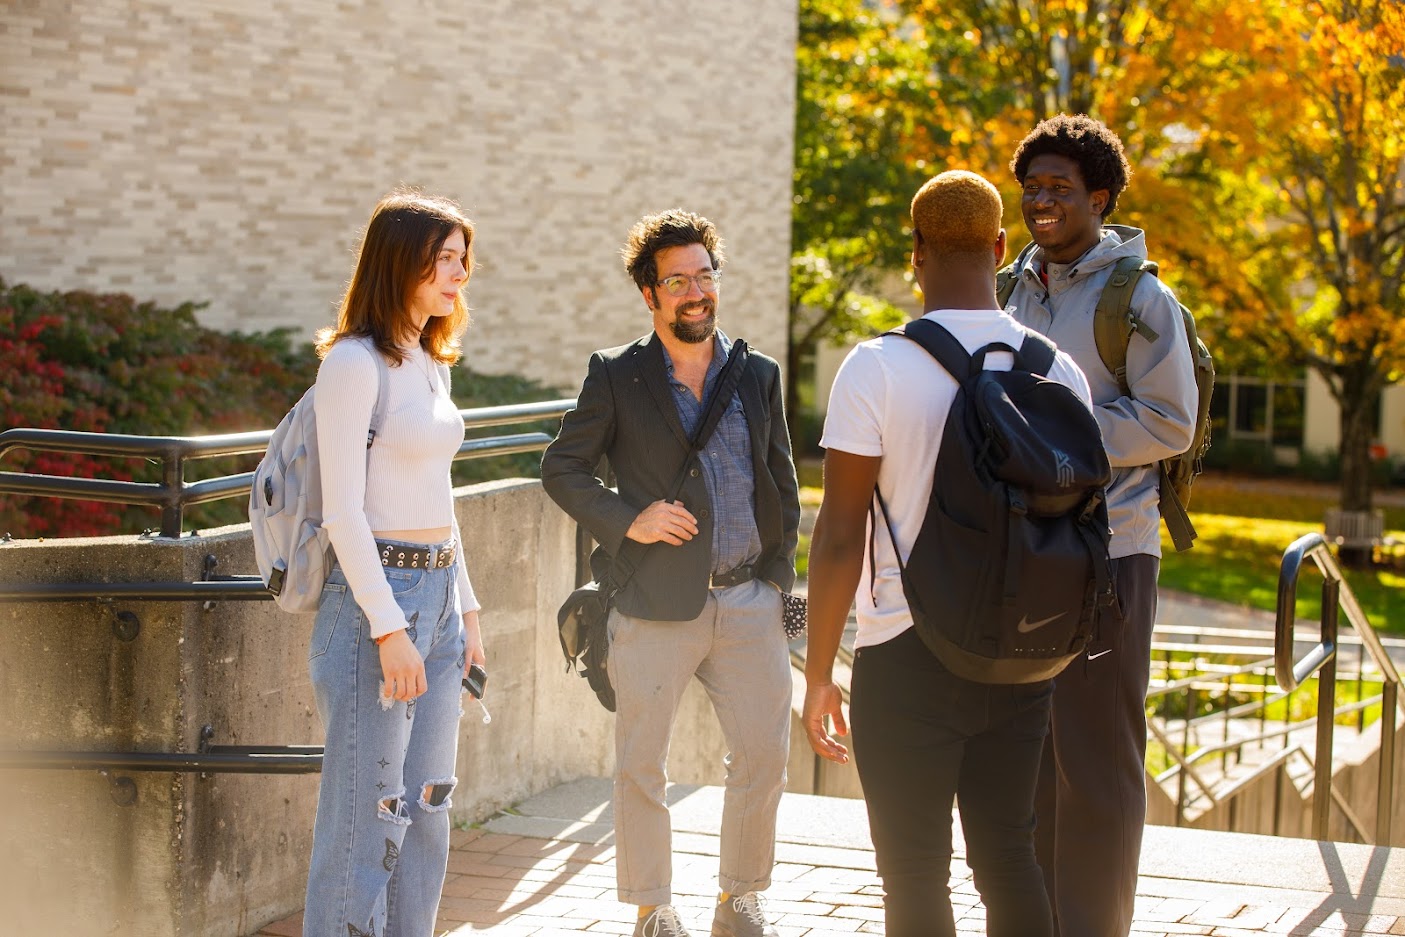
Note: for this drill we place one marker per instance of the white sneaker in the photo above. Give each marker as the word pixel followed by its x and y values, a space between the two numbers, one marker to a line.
pixel 663 921
pixel 742 917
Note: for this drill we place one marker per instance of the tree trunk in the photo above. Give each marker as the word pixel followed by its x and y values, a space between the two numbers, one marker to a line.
pixel 1354 450
pixel 1354 459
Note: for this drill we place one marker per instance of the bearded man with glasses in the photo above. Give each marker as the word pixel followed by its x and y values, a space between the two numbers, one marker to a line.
pixel 700 576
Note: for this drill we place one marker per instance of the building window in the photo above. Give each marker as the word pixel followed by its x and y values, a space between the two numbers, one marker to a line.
pixel 1250 409
pixel 1256 409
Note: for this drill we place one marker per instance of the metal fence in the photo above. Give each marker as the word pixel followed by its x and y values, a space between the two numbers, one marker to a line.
pixel 172 495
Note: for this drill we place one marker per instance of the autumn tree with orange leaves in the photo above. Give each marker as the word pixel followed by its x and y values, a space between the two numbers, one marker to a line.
pixel 1267 140
pixel 1308 118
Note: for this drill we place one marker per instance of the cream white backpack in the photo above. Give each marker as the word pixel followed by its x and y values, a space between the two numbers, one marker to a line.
pixel 292 550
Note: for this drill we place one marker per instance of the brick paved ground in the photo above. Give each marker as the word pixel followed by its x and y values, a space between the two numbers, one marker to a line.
pixel 523 886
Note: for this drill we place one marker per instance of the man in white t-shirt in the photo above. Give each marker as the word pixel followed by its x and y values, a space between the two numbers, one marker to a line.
pixel 923 737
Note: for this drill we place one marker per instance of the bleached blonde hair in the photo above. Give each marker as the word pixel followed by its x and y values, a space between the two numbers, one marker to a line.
pixel 957 212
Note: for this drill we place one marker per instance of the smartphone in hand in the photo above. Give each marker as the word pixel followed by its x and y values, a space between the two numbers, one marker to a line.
pixel 476 680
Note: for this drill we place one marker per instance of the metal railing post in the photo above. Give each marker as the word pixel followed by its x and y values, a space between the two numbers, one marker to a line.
pixel 1336 595
pixel 1361 684
pixel 1185 755
pixel 1263 711
pixel 1228 690
pixel 1326 706
pixel 172 480
pixel 1386 779
pixel 1279 777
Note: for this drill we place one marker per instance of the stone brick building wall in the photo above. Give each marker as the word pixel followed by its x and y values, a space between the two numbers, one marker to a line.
pixel 230 153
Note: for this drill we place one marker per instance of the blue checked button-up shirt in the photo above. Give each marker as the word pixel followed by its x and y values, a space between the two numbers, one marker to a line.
pixel 726 461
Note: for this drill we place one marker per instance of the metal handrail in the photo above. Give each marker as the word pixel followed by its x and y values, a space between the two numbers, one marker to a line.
pixel 1321 659
pixel 224 759
pixel 1183 758
pixel 231 588
pixel 173 493
pixel 1176 686
pixel 1229 792
pixel 1209 751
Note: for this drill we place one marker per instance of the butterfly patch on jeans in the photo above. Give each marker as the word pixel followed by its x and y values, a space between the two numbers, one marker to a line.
pixel 392 853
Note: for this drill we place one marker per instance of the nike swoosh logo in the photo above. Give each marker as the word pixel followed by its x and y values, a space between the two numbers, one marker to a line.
pixel 1026 626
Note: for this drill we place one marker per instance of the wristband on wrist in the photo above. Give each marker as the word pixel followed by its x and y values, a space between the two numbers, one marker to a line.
pixel 382 638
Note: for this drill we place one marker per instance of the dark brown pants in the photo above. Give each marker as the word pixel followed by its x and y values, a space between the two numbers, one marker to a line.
pixel 1090 804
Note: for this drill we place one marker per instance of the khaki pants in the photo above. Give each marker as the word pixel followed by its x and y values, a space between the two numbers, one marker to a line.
pixel 737 650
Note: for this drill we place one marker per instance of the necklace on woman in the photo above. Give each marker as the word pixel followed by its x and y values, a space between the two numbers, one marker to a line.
pixel 426 368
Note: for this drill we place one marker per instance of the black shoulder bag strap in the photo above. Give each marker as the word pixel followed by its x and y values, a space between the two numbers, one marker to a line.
pixel 722 391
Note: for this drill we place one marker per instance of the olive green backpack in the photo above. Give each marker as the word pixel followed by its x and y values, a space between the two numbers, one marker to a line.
pixel 1114 321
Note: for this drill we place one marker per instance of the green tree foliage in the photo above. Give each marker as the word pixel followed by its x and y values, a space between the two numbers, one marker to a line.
pixel 862 125
pixel 1267 140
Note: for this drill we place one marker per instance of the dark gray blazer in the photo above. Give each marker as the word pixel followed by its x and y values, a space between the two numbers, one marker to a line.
pixel 626 412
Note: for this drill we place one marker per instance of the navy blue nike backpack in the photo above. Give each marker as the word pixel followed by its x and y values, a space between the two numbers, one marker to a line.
pixel 1009 576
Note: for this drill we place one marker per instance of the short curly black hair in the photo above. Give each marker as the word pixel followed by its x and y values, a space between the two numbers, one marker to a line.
pixel 1089 143
pixel 672 228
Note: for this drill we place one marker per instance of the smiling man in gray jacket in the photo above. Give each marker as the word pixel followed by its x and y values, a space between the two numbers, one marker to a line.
pixel 1091 802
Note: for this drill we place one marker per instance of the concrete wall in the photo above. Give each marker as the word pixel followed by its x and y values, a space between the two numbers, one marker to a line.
pixel 221 855
pixel 230 153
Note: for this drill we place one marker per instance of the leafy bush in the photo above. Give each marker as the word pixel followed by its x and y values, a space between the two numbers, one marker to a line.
pixel 107 363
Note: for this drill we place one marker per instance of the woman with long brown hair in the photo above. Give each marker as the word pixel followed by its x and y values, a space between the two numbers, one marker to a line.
pixel 397 627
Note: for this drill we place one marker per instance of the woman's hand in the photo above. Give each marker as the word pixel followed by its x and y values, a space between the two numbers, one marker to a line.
pixel 402 667
pixel 473 642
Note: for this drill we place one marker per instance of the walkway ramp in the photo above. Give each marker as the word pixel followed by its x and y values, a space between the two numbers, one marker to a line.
pixel 546 869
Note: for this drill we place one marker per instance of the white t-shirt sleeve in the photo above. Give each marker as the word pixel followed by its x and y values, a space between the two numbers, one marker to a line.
pixel 1067 372
pixel 347 383
pixel 854 420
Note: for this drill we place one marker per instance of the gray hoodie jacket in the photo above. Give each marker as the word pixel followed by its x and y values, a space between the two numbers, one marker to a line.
pixel 1157 420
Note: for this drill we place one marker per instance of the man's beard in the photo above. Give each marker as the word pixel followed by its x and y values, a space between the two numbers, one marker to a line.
pixel 696 332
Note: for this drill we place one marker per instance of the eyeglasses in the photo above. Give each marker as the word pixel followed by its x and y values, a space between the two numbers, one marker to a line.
pixel 678 284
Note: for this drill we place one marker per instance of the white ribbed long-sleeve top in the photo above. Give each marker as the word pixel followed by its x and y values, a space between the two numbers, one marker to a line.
pixel 403 484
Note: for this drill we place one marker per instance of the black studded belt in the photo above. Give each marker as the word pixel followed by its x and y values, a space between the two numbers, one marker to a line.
pixel 732 577
pixel 399 556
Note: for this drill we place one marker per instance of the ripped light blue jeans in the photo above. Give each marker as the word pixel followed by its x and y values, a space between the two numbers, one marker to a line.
pixel 381 841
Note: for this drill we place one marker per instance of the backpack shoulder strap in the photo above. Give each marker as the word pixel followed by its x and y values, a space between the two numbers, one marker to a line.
pixel 1114 321
pixel 382 388
pixel 382 393
pixel 1007 276
pixel 940 344
pixel 1005 279
pixel 1036 354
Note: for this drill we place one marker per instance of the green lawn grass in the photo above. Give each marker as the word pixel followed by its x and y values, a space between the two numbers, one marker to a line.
pixel 1244 528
